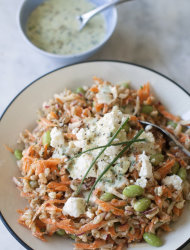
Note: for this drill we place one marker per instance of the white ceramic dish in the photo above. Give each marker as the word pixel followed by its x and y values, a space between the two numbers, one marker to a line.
pixel 110 17
pixel 21 113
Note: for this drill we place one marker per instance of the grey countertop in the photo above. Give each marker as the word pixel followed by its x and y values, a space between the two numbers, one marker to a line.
pixel 153 33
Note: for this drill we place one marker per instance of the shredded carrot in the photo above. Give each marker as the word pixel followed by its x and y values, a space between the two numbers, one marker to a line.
pixel 54 115
pixel 105 109
pixel 57 186
pixel 165 169
pixel 97 192
pixel 183 137
pixel 52 229
pixel 94 89
pixel 38 234
pixel 59 100
pixel 97 79
pixel 98 107
pixel 30 136
pixel 149 100
pixel 182 162
pixel 177 211
pixel 70 136
pixel 65 179
pixel 120 246
pixel 21 222
pixel 123 228
pixel 45 122
pixel 144 92
pixel 44 205
pixel 96 244
pixel 90 226
pixel 78 111
pixel 45 150
pixel 166 114
pixel 9 149
pixel 108 207
pixel 118 203
pixel 41 165
pixel 166 228
pixel 27 195
pixel 158 201
pixel 86 112
pixel 111 231
pixel 134 236
pixel 167 192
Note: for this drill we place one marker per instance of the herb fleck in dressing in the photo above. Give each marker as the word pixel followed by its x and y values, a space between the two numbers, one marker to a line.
pixel 53 27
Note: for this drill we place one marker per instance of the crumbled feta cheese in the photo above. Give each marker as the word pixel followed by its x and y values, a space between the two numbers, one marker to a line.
pixel 158 190
pixel 80 167
pixel 74 207
pixel 57 138
pixel 122 165
pixel 107 94
pixel 52 195
pixel 141 182
pixel 146 168
pixel 148 136
pixel 173 180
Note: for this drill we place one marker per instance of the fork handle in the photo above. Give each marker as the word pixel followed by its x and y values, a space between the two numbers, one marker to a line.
pixel 90 14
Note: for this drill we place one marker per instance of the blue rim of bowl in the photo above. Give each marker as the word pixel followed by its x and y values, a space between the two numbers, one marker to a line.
pixel 70 65
pixel 59 56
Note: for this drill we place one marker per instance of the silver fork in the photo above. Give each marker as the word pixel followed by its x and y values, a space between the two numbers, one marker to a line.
pixel 84 18
pixel 172 137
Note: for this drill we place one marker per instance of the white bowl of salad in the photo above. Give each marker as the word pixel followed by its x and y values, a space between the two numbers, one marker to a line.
pixel 89 175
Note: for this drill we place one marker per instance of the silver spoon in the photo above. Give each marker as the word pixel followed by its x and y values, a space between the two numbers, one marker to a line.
pixel 187 152
pixel 84 18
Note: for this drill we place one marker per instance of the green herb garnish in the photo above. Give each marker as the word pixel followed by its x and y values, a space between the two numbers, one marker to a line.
pixel 115 144
pixel 114 160
pixel 94 161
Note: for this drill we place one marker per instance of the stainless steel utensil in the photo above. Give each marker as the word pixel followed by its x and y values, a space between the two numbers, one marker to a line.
pixel 84 18
pixel 172 137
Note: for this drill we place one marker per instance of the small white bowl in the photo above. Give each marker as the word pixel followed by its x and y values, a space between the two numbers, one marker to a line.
pixel 110 16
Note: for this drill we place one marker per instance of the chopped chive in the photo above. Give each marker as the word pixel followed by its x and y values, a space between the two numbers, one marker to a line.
pixel 114 160
pixel 115 144
pixel 101 152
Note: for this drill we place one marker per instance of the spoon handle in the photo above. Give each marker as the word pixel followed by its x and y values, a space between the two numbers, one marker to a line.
pixel 105 6
pixel 87 16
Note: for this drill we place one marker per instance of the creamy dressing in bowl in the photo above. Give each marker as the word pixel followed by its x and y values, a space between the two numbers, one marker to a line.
pixel 53 27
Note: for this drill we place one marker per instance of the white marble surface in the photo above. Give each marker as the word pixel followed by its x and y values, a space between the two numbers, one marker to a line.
pixel 153 33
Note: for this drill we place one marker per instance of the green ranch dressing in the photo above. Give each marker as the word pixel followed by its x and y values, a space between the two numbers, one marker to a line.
pixel 53 27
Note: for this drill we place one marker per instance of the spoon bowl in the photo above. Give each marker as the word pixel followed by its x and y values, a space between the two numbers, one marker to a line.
pixel 169 135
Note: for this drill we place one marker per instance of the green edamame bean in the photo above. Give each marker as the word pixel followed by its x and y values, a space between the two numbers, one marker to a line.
pixel 72 236
pixel 156 159
pixel 61 232
pixel 152 239
pixel 142 205
pixel 172 124
pixel 106 197
pixel 33 184
pixel 46 138
pixel 182 173
pixel 147 109
pixel 80 91
pixel 175 168
pixel 133 191
pixel 125 85
pixel 18 154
